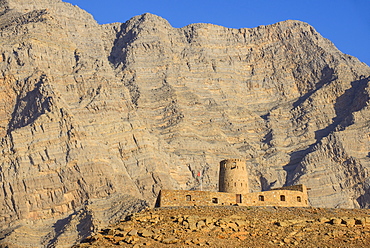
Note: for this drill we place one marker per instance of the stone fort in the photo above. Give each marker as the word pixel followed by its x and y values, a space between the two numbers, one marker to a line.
pixel 234 190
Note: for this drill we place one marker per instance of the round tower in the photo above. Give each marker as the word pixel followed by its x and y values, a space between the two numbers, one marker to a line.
pixel 233 176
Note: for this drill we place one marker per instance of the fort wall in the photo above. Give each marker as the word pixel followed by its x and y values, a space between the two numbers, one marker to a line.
pixel 299 187
pixel 234 190
pixel 279 197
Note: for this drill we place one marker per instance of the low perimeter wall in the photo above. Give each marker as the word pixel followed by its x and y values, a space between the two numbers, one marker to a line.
pixel 296 197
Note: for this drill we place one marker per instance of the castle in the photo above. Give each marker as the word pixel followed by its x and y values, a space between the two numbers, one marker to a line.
pixel 234 190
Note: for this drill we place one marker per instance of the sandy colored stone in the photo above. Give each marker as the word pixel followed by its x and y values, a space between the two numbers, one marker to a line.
pixel 349 221
pixel 336 221
pixel 170 240
pixel 145 233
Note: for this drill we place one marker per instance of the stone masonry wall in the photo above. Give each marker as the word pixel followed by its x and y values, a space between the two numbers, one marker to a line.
pixel 283 198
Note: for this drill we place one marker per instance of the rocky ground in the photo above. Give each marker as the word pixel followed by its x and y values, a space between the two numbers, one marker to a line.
pixel 238 227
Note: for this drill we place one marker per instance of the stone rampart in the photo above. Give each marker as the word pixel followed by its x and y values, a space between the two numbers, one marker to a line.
pixel 299 187
pixel 278 197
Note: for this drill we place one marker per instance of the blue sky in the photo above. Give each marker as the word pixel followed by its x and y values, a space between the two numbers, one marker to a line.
pixel 345 22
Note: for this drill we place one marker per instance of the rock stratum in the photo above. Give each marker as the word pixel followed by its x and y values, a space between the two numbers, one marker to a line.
pixel 96 119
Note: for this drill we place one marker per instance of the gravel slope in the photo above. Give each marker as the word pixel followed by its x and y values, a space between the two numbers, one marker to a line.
pixel 238 227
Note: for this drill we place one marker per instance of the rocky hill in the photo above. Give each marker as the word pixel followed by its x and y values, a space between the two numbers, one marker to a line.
pixel 237 227
pixel 96 119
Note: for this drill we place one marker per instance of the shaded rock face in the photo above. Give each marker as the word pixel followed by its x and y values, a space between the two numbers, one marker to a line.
pixel 113 113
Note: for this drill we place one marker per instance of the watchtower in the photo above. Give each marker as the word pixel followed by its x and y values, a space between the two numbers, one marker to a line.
pixel 233 176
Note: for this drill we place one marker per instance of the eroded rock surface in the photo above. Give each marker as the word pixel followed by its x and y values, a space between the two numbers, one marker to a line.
pixel 113 113
pixel 237 227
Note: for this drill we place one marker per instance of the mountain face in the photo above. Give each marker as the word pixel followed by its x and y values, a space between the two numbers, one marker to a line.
pixel 96 119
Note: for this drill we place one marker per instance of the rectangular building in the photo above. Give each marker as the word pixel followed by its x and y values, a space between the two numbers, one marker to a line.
pixel 291 196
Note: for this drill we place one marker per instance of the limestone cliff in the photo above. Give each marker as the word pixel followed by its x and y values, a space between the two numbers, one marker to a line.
pixel 96 119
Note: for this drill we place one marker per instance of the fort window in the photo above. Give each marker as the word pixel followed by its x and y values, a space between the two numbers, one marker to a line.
pixel 235 184
pixel 299 199
pixel 238 198
pixel 233 166
pixel 261 198
pixel 188 197
pixel 282 198
pixel 214 200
